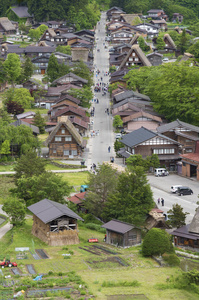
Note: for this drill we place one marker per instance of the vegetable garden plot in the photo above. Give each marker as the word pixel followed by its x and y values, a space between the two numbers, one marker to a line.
pixel 127 297
pixel 104 249
pixel 35 255
pixel 41 253
pixel 16 271
pixel 30 269
pixel 42 292
pixel 88 249
pixel 108 262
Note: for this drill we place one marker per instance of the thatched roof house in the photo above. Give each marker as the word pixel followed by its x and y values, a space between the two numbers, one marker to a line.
pixel 6 26
pixel 54 223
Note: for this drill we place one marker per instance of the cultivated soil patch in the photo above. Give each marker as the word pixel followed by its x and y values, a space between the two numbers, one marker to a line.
pixel 113 261
pixel 127 297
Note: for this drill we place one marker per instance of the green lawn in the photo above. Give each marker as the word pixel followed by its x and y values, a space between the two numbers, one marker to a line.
pixel 6 183
pixel 42 111
pixel 145 271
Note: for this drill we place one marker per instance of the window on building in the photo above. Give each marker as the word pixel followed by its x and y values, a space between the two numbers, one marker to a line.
pixel 74 152
pixel 68 138
pixel 66 152
pixel 54 151
pixel 63 131
pixel 58 139
pixel 133 54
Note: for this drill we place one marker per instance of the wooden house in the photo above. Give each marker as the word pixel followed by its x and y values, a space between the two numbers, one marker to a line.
pixel 20 14
pixel 142 118
pixel 40 64
pixel 146 142
pixel 152 30
pixel 157 14
pixel 135 57
pixel 69 111
pixel 161 24
pixel 50 35
pixel 54 223
pixel 122 234
pixel 114 13
pixel 6 26
pixel 187 236
pixel 177 18
pixel 155 58
pixel 190 164
pixel 70 78
pixel 65 141
pixel 169 43
pixel 184 133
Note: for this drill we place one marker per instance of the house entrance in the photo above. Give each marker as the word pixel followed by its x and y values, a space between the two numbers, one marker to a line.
pixel 43 71
pixel 193 170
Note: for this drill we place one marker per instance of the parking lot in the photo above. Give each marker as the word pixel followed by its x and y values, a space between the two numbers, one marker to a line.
pixel 161 189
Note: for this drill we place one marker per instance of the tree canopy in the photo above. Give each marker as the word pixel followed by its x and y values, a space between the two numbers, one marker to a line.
pixel 16 210
pixel 172 88
pixel 12 67
pixel 157 242
pixel 132 199
pixel 20 96
pixel 176 216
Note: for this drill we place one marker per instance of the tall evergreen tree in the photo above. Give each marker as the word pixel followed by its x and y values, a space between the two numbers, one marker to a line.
pixel 53 68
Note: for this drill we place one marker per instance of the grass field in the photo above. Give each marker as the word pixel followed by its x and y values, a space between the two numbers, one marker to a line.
pixel 144 271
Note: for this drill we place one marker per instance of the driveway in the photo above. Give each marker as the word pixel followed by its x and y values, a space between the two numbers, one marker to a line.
pixel 161 189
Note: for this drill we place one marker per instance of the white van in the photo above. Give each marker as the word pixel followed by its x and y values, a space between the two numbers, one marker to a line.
pixel 161 172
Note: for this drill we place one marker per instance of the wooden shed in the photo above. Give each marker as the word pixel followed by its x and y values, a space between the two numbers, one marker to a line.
pixel 122 234
pixel 54 223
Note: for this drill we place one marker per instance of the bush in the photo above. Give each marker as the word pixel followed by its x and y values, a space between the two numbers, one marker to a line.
pixel 133 283
pixel 157 242
pixel 89 218
pixel 95 227
pixel 171 259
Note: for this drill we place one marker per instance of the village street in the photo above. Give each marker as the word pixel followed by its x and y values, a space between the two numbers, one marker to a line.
pixel 102 122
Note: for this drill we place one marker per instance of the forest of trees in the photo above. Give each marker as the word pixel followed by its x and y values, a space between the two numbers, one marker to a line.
pixel 82 13
pixel 188 8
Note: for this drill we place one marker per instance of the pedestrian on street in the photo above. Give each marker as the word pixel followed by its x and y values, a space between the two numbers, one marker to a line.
pixel 158 200
pixel 162 201
pixel 109 149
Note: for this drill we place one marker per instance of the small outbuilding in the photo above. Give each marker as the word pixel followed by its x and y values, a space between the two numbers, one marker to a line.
pixel 54 223
pixel 122 234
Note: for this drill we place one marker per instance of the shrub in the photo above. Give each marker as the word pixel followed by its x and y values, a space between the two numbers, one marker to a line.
pixel 133 283
pixel 171 259
pixel 71 252
pixel 95 227
pixel 65 248
pixel 157 242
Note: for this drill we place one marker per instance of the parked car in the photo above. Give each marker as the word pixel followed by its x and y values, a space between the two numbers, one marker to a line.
pixel 165 59
pixel 174 188
pixel 118 136
pixel 7 263
pixel 184 190
pixel 161 172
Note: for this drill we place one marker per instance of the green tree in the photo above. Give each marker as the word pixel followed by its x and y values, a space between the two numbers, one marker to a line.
pixel 176 216
pixel 142 44
pixel 3 72
pixel 194 49
pixel 53 68
pixel 118 145
pixel 81 70
pixel 21 138
pixel 64 49
pixel 16 210
pixel 183 42
pixel 42 28
pixel 135 160
pixel 12 67
pixel 101 186
pixel 28 165
pixel 157 242
pixel 84 95
pixel 46 185
pixel 160 44
pixel 27 69
pixel 39 122
pixel 117 122
pixel 21 96
pixel 132 198
pixel 5 148
pixel 34 34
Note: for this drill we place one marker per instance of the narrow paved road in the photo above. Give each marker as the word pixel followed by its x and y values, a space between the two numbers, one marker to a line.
pixel 98 144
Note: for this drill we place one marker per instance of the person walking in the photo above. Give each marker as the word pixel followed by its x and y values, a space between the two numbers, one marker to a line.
pixel 162 201
pixel 109 149
pixel 158 200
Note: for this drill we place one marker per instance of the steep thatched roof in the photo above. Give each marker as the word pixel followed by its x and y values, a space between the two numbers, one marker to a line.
pixel 130 18
pixel 139 53
pixel 170 40
pixel 64 120
pixel 194 226
pixel 6 24
pixel 134 39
